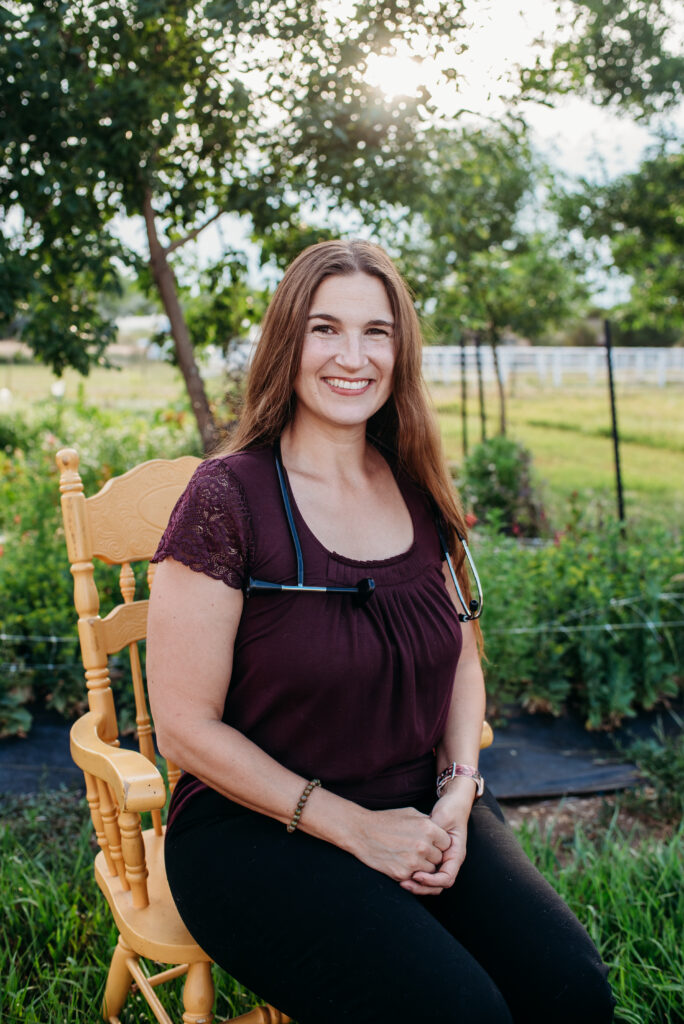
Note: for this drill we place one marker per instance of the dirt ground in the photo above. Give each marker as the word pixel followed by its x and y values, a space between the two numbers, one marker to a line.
pixel 594 813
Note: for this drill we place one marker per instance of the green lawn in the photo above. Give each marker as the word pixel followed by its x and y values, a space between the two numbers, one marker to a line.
pixel 139 386
pixel 568 431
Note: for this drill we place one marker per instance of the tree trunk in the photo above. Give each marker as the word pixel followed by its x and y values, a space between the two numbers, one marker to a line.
pixel 494 342
pixel 480 386
pixel 464 396
pixel 165 281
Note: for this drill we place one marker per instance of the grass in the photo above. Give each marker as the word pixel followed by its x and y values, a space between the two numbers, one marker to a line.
pixel 630 898
pixel 568 431
pixel 138 386
pixel 57 935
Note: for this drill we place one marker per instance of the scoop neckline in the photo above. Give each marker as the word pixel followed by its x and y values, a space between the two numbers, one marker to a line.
pixel 369 563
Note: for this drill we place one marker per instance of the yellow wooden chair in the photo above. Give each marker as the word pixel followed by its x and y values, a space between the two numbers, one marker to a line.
pixel 120 525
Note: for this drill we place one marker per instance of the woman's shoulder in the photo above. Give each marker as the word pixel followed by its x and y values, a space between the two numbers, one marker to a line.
pixel 241 469
pixel 222 484
pixel 241 463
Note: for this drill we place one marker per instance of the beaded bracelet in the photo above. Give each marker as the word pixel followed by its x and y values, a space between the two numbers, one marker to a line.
pixel 308 790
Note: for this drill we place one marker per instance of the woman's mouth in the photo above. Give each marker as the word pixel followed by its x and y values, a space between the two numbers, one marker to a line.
pixel 347 386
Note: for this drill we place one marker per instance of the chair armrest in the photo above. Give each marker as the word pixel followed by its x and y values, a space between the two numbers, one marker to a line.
pixel 487 736
pixel 135 781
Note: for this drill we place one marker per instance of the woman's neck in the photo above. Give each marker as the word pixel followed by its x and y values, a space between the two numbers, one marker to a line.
pixel 333 453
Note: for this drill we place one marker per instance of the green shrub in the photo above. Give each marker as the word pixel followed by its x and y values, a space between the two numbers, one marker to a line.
pixel 498 486
pixel 40 664
pixel 581 622
pixel 660 760
pixel 574 623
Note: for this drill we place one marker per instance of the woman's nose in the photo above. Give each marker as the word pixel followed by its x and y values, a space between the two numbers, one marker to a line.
pixel 351 353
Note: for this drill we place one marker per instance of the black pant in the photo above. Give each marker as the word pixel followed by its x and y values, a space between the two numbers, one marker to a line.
pixel 328 940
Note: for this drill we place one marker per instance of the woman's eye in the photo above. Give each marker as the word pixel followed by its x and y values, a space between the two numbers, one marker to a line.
pixel 378 332
pixel 322 329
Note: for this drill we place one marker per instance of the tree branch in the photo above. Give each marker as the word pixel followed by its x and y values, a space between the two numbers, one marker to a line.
pixel 193 234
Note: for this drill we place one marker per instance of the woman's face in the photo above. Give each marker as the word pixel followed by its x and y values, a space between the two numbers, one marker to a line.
pixel 345 374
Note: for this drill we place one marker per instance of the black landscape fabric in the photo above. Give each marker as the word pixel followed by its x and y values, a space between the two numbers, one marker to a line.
pixel 532 756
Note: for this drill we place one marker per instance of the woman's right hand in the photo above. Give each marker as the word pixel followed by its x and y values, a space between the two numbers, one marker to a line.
pixel 399 842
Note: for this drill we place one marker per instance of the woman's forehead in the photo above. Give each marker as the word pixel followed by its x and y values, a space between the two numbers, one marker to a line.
pixel 347 291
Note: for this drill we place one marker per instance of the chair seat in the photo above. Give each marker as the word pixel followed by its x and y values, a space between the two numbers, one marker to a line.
pixel 155 931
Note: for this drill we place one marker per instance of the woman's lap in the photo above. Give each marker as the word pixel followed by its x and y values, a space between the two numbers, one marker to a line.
pixel 330 941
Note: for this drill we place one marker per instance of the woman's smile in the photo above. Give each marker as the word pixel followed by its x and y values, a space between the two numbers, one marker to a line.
pixel 344 385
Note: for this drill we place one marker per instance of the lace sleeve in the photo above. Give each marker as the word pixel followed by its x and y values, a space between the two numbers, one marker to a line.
pixel 210 528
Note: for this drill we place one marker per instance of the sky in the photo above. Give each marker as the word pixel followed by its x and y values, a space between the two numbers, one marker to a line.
pixel 575 135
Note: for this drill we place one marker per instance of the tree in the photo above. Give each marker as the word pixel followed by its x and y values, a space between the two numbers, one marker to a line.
pixel 477 267
pixel 626 54
pixel 639 217
pixel 179 113
pixel 622 53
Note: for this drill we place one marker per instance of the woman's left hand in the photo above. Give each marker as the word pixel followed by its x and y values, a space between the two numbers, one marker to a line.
pixel 451 812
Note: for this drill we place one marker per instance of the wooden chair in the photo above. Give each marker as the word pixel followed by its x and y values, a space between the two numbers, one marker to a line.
pixel 120 525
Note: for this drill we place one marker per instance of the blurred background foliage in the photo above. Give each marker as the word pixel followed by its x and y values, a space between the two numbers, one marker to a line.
pixel 130 132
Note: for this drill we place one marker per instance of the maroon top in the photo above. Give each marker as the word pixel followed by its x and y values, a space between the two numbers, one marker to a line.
pixel 355 696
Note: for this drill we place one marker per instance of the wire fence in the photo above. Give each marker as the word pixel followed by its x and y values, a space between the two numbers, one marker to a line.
pixel 642 621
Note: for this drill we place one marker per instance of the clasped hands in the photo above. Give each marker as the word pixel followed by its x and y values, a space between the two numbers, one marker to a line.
pixel 422 852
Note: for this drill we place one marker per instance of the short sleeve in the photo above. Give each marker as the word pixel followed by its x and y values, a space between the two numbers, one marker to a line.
pixel 210 527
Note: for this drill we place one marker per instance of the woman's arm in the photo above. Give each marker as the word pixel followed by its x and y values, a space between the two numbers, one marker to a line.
pixel 460 743
pixel 193 621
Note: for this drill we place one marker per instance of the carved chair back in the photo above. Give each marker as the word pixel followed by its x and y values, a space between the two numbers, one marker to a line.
pixel 122 525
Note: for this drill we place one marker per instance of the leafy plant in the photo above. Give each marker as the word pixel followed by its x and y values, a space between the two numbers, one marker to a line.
pixel 40 664
pixel 660 760
pixel 498 484
pixel 588 621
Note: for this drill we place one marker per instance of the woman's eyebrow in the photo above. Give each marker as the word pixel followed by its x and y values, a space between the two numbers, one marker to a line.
pixel 335 320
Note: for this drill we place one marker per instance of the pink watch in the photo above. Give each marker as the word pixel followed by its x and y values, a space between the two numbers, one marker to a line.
pixel 460 769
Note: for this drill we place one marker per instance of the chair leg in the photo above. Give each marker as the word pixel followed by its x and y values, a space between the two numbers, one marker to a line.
pixel 198 994
pixel 119 981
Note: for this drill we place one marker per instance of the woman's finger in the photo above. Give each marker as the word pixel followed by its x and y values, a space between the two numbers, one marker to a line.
pixel 442 840
pixel 442 879
pixel 419 890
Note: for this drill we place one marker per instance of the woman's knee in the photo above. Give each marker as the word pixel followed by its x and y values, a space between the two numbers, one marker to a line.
pixel 479 1002
pixel 580 992
pixel 449 997
pixel 588 997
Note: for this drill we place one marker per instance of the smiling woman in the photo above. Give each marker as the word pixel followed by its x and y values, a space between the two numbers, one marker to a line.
pixel 329 728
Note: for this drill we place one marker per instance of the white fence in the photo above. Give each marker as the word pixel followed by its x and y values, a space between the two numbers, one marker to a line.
pixel 659 366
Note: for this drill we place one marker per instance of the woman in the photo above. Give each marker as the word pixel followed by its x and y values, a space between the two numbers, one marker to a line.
pixel 306 849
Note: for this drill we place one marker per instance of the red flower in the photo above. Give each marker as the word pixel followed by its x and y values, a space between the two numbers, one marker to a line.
pixel 470 519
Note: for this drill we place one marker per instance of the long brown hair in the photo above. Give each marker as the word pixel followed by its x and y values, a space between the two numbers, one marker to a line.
pixel 405 424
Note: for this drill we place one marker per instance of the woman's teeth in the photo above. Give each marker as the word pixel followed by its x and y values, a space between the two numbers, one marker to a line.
pixel 347 385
